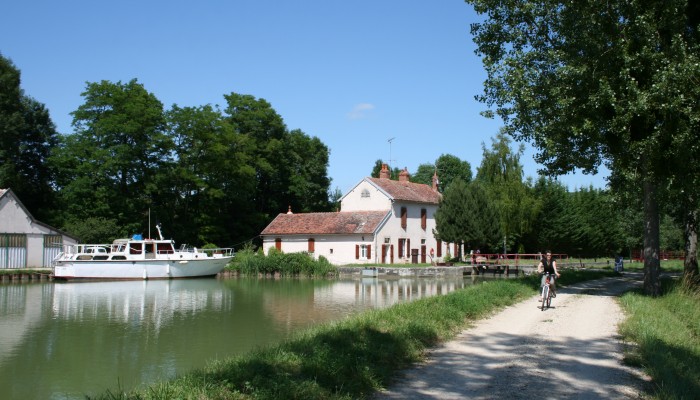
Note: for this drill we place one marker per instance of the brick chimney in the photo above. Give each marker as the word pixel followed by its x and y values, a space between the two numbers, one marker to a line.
pixel 436 181
pixel 404 176
pixel 384 173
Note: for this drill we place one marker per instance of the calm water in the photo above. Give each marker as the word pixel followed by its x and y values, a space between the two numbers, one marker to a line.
pixel 66 340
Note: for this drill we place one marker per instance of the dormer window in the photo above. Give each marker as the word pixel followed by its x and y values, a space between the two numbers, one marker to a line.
pixel 365 193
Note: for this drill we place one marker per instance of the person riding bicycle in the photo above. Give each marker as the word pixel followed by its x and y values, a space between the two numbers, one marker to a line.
pixel 548 264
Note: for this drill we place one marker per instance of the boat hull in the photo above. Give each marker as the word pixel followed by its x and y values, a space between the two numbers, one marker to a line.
pixel 141 269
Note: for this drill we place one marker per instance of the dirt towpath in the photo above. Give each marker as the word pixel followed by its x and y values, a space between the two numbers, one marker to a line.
pixel 503 357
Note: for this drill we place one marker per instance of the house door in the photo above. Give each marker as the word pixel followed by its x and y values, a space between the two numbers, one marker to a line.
pixel 53 246
pixel 422 254
pixel 13 250
pixel 385 249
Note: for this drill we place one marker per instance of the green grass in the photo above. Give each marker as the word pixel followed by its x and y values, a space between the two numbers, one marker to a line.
pixel 12 271
pixel 666 331
pixel 348 359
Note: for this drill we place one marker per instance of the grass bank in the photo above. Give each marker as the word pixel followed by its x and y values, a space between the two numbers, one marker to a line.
pixel 348 359
pixel 666 334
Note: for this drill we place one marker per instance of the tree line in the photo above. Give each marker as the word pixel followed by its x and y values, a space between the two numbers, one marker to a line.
pixel 218 176
pixel 209 175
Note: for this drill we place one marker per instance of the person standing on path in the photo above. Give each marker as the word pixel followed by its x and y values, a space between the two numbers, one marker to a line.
pixel 548 265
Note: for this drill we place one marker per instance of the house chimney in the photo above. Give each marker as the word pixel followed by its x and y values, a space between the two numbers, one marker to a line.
pixel 436 181
pixel 289 211
pixel 384 173
pixel 404 176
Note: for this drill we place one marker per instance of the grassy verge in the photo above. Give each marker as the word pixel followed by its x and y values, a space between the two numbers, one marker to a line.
pixel 666 331
pixel 11 271
pixel 351 358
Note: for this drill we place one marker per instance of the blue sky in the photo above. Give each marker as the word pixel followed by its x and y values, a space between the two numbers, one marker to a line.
pixel 352 73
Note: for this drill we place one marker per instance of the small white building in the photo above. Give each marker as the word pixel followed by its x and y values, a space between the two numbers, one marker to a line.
pixel 24 241
pixel 380 221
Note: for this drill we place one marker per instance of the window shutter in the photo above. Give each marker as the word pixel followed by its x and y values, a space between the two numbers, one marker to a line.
pixel 408 247
pixel 357 251
pixel 439 248
pixel 423 218
pixel 312 246
pixel 404 217
pixel 278 244
pixel 369 251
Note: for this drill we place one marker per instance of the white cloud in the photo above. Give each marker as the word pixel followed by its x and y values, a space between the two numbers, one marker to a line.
pixel 360 110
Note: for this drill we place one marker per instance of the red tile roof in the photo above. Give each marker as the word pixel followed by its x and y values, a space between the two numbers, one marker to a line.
pixel 408 191
pixel 338 223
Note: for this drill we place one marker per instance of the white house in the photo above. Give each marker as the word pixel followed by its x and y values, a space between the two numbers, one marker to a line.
pixel 380 221
pixel 24 241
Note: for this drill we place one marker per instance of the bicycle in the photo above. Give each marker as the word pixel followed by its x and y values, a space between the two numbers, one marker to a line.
pixel 546 292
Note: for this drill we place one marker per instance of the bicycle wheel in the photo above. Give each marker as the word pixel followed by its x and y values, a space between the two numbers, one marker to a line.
pixel 549 297
pixel 545 296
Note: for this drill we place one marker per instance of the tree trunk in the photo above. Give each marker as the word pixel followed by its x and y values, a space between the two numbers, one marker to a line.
pixel 651 240
pixel 691 274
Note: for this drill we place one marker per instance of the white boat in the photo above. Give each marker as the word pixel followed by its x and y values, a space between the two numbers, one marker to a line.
pixel 138 258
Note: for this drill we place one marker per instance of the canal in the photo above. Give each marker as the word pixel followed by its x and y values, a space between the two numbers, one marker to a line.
pixel 68 340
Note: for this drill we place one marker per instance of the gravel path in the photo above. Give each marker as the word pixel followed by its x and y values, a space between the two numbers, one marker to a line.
pixel 503 356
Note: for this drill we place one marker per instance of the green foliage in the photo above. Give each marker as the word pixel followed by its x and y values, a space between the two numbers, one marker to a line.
pixel 501 174
pixel 95 229
pixel 450 168
pixel 667 331
pixel 589 83
pixel 108 166
pixel 466 215
pixel 208 177
pixel 27 137
pixel 249 262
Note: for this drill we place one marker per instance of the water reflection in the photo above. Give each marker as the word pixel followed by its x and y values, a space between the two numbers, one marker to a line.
pixel 65 340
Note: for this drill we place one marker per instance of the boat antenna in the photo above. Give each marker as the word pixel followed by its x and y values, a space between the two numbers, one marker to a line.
pixel 160 234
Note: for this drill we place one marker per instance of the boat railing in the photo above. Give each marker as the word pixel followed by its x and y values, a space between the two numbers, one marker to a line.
pixel 72 249
pixel 219 251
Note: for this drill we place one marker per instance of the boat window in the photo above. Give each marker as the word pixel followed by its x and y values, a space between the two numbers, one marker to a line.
pixel 135 248
pixel 165 248
pixel 149 248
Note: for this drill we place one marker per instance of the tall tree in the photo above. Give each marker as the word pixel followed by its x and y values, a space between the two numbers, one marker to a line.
pixel 309 182
pixel 501 173
pixel 210 186
pixel 467 216
pixel 257 120
pixel 451 168
pixel 590 82
pixel 27 137
pixel 109 163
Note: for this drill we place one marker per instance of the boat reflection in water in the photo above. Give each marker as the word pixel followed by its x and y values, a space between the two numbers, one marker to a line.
pixel 68 340
pixel 151 304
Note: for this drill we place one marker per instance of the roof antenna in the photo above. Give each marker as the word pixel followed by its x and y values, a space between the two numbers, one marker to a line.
pixel 390 160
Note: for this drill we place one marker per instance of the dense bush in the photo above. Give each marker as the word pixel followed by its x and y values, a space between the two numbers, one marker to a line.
pixel 249 262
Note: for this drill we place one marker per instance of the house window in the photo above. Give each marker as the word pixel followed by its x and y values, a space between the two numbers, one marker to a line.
pixel 312 246
pixel 365 193
pixel 387 240
pixel 363 251
pixel 423 218
pixel 278 244
pixel 404 217
pixel 404 247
